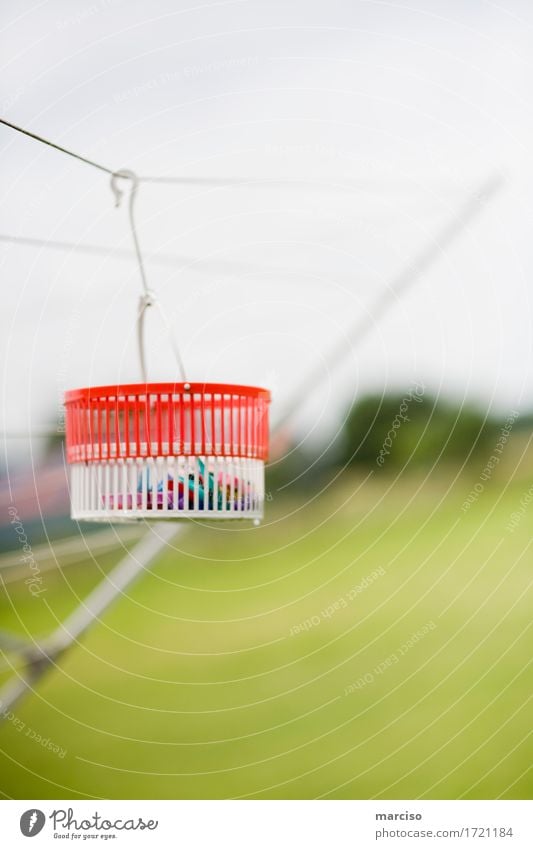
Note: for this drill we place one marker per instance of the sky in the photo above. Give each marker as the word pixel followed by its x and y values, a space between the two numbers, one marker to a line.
pixel 382 118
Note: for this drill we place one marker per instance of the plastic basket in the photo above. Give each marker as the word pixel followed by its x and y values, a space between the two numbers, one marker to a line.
pixel 167 451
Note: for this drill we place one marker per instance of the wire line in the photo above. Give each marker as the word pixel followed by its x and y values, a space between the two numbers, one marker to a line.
pixel 217 182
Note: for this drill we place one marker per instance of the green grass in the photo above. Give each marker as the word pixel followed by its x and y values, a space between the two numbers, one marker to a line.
pixel 193 687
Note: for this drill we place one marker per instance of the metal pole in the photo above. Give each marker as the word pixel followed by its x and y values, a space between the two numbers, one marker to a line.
pixel 41 657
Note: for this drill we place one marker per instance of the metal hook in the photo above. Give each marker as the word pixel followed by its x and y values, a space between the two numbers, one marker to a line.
pixel 126 174
pixel 123 174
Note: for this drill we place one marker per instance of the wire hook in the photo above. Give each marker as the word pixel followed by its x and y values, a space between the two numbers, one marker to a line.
pixel 148 297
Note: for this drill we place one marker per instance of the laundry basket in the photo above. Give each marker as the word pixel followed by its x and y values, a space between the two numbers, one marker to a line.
pixel 167 451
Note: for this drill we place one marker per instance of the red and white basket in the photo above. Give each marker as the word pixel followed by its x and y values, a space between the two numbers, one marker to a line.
pixel 167 451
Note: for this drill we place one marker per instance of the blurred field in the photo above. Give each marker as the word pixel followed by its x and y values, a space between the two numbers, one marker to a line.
pixel 193 687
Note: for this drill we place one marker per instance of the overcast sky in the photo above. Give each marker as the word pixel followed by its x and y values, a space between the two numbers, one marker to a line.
pixel 393 113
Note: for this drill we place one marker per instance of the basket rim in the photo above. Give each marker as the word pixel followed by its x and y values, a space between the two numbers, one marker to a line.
pixel 193 388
